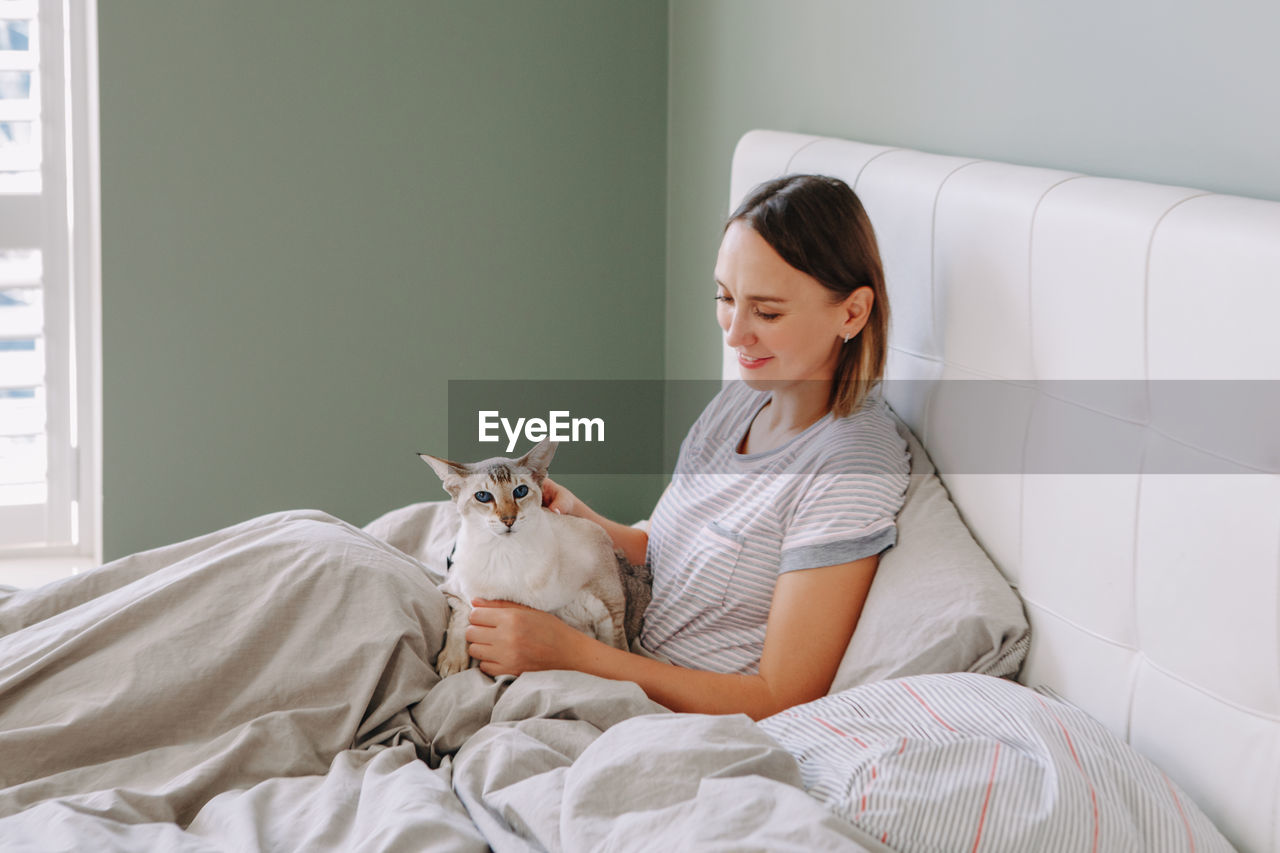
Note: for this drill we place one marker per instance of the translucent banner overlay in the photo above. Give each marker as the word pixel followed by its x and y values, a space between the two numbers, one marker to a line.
pixel 634 427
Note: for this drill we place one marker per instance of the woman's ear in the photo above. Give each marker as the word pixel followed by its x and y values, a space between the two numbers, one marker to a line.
pixel 857 310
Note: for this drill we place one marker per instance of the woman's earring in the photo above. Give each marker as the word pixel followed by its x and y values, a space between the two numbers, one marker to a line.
pixel 846 338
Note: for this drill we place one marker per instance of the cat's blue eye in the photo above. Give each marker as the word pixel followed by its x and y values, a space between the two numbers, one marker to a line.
pixel 520 491
pixel 484 497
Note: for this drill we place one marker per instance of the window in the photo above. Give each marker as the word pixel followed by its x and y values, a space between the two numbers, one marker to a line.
pixel 49 263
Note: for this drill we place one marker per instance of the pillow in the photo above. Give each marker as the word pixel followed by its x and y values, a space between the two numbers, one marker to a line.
pixel 938 603
pixel 945 761
pixel 425 531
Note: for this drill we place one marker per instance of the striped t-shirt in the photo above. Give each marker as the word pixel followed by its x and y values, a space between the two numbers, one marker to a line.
pixel 730 523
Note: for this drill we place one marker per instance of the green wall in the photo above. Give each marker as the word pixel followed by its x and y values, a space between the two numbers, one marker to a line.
pixel 1168 91
pixel 315 214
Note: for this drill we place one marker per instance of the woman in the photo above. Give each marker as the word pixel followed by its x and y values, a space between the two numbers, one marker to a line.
pixel 765 544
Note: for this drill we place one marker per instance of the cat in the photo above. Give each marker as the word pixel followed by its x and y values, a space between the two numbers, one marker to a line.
pixel 511 548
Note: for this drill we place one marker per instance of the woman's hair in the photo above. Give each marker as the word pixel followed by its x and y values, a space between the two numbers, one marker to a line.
pixel 817 225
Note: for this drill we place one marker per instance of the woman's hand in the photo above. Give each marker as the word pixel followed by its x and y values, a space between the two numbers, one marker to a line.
pixel 557 498
pixel 510 639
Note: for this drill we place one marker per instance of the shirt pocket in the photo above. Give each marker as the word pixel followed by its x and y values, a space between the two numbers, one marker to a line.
pixel 713 560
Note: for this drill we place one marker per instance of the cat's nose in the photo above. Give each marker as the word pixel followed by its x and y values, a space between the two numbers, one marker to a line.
pixel 508 520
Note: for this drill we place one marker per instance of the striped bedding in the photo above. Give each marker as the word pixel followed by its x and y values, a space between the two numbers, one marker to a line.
pixel 969 762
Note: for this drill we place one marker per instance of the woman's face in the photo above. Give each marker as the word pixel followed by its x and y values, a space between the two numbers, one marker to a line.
pixel 780 321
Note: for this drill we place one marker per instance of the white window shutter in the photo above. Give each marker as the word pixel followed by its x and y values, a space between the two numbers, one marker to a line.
pixel 48 277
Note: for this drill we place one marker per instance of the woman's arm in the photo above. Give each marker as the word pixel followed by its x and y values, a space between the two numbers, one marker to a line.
pixel 811 620
pixel 632 542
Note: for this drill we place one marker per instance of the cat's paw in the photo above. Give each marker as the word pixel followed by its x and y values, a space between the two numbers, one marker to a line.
pixel 453 659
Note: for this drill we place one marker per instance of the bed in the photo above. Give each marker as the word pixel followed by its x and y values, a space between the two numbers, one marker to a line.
pixel 1103 434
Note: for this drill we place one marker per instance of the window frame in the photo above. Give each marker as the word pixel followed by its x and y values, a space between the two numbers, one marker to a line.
pixel 69 234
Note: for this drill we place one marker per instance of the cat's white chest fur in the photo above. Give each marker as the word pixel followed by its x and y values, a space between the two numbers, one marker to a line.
pixel 525 566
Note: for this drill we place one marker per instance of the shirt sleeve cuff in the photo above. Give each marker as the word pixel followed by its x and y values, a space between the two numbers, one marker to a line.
pixel 835 553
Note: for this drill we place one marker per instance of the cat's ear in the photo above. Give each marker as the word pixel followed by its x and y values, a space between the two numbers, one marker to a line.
pixel 451 474
pixel 538 460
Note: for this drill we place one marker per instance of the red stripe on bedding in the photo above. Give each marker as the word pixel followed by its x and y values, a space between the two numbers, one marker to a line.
pixel 1093 794
pixel 982 818
pixel 859 741
pixel 1177 802
pixel 907 687
pixel 823 722
pixel 866 791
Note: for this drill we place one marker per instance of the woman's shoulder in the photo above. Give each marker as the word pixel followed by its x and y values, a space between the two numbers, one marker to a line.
pixel 865 441
pixel 860 471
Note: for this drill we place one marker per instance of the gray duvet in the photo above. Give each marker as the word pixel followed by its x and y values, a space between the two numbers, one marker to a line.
pixel 270 687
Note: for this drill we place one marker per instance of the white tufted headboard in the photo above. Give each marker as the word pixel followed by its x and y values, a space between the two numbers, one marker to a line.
pixel 1152 582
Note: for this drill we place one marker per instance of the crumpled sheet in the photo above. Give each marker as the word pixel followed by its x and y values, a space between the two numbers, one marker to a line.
pixel 269 687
